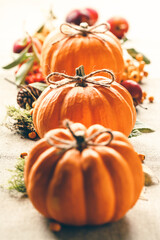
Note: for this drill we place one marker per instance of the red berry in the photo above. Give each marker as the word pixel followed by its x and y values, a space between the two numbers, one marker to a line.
pixel 29 79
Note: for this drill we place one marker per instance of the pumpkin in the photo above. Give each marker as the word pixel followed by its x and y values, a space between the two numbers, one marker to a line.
pixel 81 176
pixel 65 50
pixel 90 100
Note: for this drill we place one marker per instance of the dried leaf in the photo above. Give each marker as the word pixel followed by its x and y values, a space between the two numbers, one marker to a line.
pixel 36 54
pixel 149 176
pixel 40 29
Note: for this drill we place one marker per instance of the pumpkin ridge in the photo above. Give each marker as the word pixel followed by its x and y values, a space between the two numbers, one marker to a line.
pixel 92 160
pixel 107 52
pixel 124 149
pixel 112 56
pixel 73 100
pixel 117 53
pixel 106 105
pixel 61 61
pixel 65 166
pixel 123 92
pixel 90 53
pixel 47 54
pixel 41 105
pixel 119 170
pixel 47 58
pixel 36 108
pixel 37 179
pixel 86 58
pixel 33 155
pixel 130 106
pixel 125 107
pixel 65 46
pixel 127 97
pixel 52 106
pixel 114 38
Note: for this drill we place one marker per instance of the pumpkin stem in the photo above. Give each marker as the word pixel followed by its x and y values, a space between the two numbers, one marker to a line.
pixel 79 137
pixel 80 73
pixel 84 25
pixel 81 141
pixel 84 28
pixel 80 78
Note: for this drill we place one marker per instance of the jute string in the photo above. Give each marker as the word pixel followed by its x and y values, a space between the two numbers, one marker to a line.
pixel 80 80
pixel 83 30
pixel 80 141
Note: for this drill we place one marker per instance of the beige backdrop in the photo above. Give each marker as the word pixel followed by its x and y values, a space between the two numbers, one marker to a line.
pixel 18 219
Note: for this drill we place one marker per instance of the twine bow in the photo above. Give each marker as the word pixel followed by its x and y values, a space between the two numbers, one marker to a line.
pixel 80 140
pixel 83 29
pixel 80 78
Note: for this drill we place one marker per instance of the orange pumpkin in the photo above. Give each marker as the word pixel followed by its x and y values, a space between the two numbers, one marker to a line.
pixel 82 176
pixel 94 48
pixel 91 100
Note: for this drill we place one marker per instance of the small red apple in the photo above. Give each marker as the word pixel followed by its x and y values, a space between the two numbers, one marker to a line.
pixel 134 89
pixel 118 26
pixel 93 15
pixel 77 16
pixel 21 44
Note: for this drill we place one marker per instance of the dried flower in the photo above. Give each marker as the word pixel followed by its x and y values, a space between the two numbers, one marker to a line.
pixel 19 120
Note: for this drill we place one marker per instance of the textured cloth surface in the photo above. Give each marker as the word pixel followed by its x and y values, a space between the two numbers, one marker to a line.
pixel 18 219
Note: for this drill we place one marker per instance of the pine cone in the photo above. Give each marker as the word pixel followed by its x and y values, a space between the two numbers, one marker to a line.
pixel 27 95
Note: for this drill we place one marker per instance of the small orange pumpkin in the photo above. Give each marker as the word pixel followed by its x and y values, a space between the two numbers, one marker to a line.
pixel 73 46
pixel 82 176
pixel 90 100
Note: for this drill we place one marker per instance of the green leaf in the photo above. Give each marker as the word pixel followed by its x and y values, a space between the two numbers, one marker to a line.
pixel 22 56
pixel 37 55
pixel 132 52
pixel 22 72
pixel 140 128
pixel 135 133
pixel 124 39
pixel 40 29
pixel 39 85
